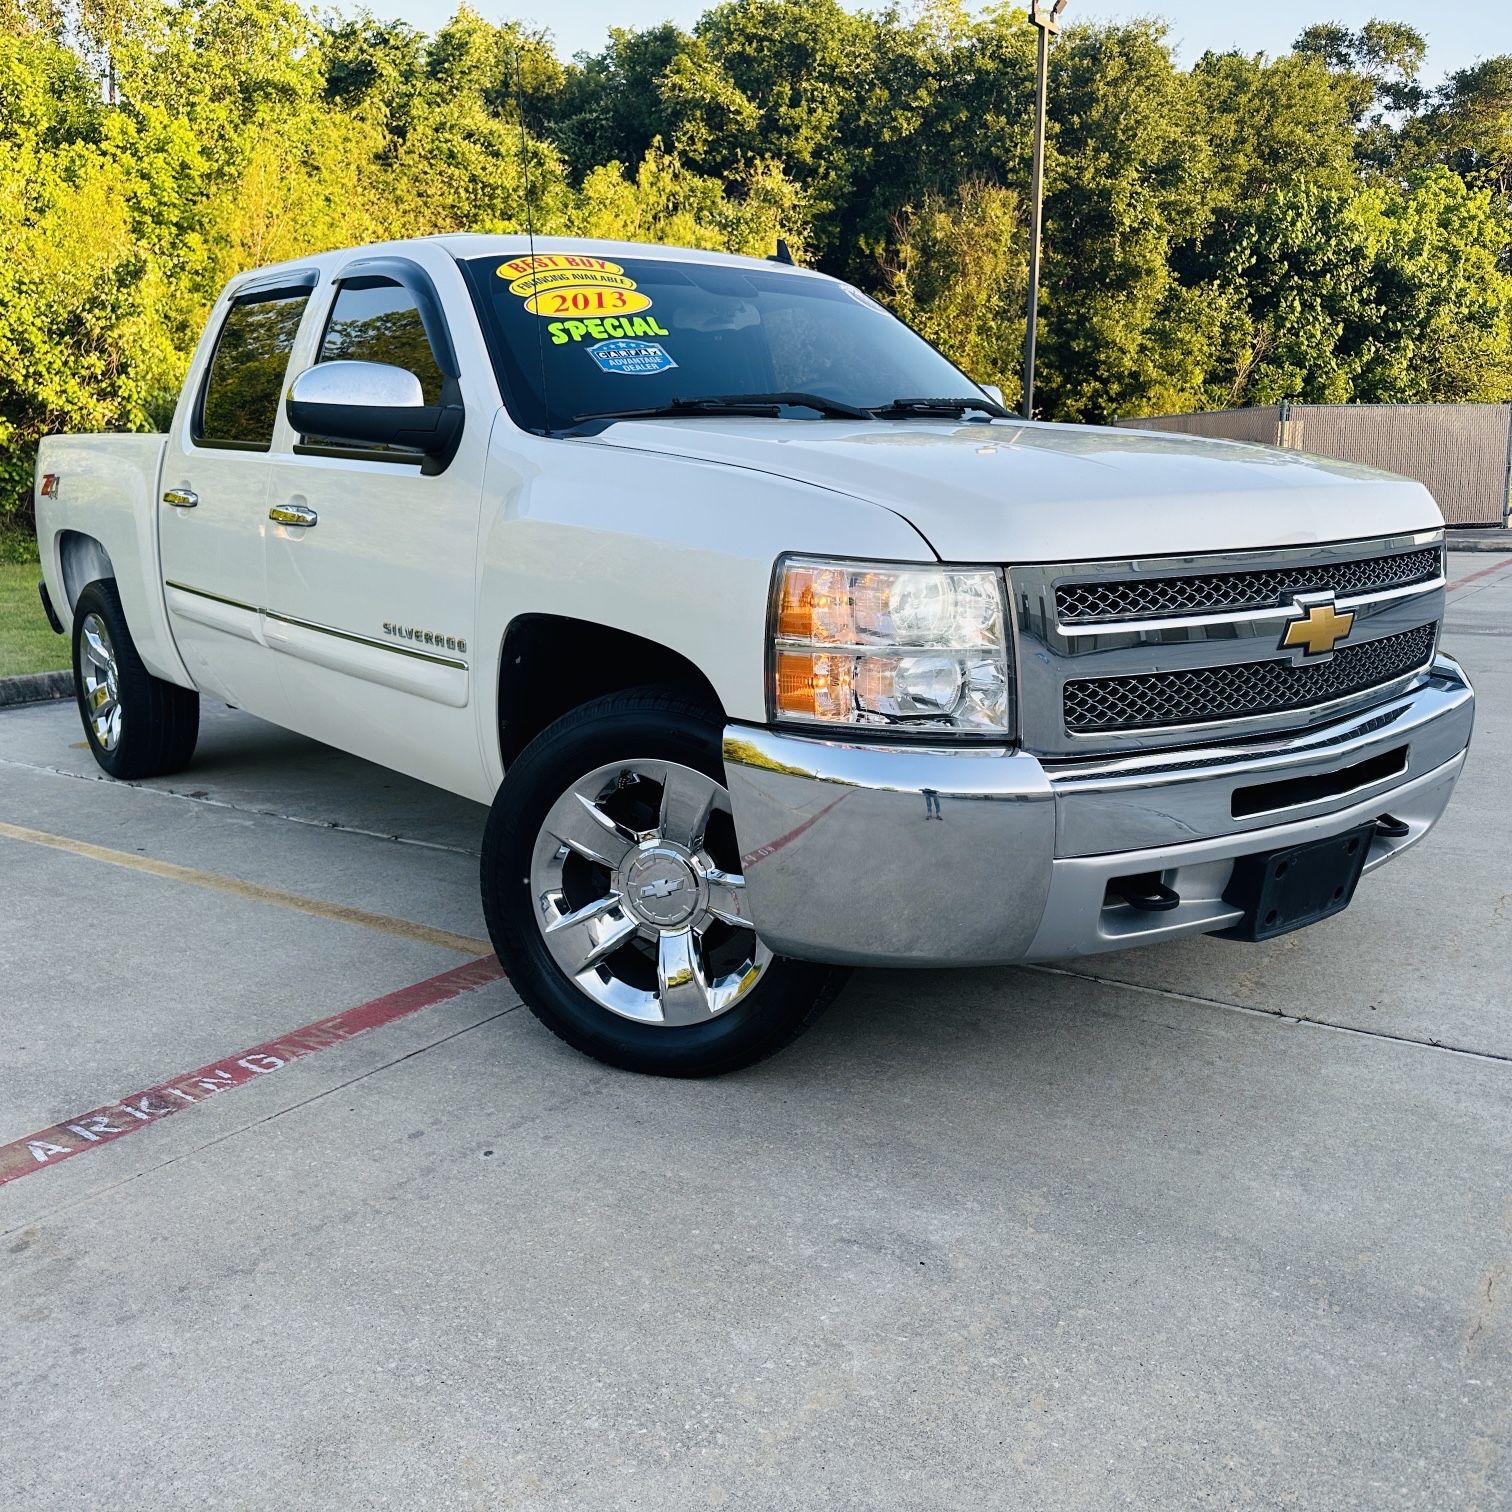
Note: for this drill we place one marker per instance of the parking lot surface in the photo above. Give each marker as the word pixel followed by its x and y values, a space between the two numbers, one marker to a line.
pixel 318 1216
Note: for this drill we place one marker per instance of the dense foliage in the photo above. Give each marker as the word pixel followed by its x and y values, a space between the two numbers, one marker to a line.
pixel 1318 226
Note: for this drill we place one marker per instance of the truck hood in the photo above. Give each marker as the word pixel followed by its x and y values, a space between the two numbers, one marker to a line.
pixel 1027 491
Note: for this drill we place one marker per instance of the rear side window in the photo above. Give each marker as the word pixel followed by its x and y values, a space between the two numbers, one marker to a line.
pixel 376 320
pixel 239 404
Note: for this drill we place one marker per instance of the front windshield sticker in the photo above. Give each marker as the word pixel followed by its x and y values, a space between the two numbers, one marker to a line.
pixel 563 331
pixel 556 262
pixel 595 301
pixel 564 283
pixel 567 278
pixel 631 357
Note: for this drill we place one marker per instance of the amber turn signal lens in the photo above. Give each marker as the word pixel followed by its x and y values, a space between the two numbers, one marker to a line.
pixel 814 685
pixel 814 605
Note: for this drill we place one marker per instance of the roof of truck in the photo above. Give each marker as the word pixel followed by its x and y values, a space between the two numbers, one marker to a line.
pixel 463 245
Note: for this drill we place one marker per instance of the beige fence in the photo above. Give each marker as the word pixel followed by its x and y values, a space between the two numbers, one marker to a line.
pixel 1462 452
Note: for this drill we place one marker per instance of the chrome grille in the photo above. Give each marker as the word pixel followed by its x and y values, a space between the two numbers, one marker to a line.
pixel 1152 598
pixel 1205 695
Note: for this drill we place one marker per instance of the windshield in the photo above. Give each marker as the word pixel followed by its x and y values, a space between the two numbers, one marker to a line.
pixel 578 336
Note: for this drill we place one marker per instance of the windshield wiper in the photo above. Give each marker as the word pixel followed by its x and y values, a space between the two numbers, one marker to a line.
pixel 930 408
pixel 767 406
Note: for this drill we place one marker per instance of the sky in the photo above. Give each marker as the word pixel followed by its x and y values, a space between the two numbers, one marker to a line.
pixel 1458 33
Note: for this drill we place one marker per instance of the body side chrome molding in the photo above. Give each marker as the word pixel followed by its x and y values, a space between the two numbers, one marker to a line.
pixel 304 624
pixel 215 598
pixel 366 640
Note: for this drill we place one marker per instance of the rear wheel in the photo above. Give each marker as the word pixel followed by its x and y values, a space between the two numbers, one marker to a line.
pixel 615 896
pixel 137 725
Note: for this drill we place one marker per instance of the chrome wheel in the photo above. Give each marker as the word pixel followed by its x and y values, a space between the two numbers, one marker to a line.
pixel 97 668
pixel 639 897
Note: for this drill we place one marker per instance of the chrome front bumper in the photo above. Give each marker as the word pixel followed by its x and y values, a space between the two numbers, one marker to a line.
pixel 904 856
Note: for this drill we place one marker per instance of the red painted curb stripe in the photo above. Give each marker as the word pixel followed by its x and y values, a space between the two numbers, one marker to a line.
pixel 100 1126
pixel 1470 577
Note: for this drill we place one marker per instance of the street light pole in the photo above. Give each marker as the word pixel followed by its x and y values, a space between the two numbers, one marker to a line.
pixel 1045 21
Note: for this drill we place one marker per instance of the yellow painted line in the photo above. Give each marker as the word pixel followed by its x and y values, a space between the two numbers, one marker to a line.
pixel 337 913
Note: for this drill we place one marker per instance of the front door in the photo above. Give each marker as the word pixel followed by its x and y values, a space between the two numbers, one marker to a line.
pixel 372 556
pixel 212 510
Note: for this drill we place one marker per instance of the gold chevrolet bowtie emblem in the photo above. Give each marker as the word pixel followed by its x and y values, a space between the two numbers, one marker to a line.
pixel 1319 630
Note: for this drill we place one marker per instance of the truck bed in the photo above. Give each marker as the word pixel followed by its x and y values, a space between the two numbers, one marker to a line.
pixel 102 522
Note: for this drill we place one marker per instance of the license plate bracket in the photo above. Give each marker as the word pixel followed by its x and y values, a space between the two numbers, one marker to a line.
pixel 1284 890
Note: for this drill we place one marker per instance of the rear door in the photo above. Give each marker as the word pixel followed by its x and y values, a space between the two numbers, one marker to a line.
pixel 212 511
pixel 371 603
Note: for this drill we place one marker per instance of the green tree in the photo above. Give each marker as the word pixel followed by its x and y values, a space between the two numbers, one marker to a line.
pixel 1377 293
pixel 1264 122
pixel 611 106
pixel 665 201
pixel 1383 59
pixel 960 277
pixel 1319 225
pixel 1125 178
pixel 1468 125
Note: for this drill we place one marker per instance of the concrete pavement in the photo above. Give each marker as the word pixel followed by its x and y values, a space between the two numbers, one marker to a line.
pixel 1213 1225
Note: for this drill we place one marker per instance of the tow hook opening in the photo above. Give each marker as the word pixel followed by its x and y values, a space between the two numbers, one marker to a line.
pixel 1144 891
pixel 1391 828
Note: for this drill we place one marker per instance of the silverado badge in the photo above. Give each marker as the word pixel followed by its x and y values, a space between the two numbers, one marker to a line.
pixel 424 637
pixel 1318 628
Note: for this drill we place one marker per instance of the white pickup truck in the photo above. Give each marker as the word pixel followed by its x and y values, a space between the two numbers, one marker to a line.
pixel 775 643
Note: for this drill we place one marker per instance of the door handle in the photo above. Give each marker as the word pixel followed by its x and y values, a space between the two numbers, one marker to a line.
pixel 180 498
pixel 293 514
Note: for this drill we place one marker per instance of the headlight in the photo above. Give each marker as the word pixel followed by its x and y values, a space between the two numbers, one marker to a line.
pixel 906 648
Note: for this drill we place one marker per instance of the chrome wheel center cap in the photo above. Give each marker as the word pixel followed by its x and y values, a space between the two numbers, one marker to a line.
pixel 661 888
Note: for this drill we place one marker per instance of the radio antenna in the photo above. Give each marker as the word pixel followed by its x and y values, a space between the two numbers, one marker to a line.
pixel 530 225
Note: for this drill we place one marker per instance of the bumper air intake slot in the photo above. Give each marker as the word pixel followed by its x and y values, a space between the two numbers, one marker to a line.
pixel 1145 892
pixel 1267 797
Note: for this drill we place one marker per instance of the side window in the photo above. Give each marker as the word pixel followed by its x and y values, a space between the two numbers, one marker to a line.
pixel 239 402
pixel 375 320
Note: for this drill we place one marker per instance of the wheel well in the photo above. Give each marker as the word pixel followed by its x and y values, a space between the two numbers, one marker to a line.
pixel 83 560
pixel 551 664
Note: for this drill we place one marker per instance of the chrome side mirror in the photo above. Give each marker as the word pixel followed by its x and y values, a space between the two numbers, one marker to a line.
pixel 357 404
pixel 359 385
pixel 992 391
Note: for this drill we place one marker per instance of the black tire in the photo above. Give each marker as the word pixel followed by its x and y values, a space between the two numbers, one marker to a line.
pixel 651 724
pixel 159 721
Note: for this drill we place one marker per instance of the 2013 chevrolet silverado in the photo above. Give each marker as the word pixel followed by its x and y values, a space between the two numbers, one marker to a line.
pixel 775 643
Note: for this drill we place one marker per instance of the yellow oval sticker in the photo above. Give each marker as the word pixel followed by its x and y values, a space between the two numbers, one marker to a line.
pixel 543 261
pixel 567 278
pixel 559 303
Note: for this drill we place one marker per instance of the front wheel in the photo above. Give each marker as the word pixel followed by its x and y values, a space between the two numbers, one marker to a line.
pixel 616 900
